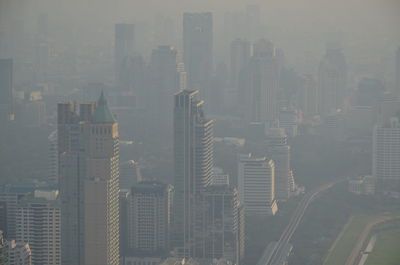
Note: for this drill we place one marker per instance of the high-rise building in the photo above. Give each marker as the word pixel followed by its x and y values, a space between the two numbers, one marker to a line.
pixel 278 150
pixel 306 97
pixel 261 81
pixel 52 157
pixel 223 225
pixel 149 217
pixel 240 52
pixel 6 89
pixel 332 81
pixel 256 182
pixel 397 73
pixel 38 224
pixel 198 50
pixel 386 156
pixel 164 83
pixel 88 148
pixel 193 165
pixel 124 49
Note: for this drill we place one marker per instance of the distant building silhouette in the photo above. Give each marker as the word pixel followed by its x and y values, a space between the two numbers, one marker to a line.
pixel 124 49
pixel 6 89
pixel 332 81
pixel 198 50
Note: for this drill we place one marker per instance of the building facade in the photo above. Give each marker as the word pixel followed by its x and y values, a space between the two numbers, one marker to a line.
pixel 193 165
pixel 88 146
pixel 256 182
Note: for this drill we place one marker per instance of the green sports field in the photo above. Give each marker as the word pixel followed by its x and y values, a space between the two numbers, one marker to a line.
pixel 387 249
pixel 347 240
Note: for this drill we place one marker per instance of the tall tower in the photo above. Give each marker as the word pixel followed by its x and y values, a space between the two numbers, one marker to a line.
pixel 193 163
pixel 332 79
pixel 88 149
pixel 260 96
pixel 279 151
pixel 164 79
pixel 198 50
pixel 124 47
pixel 6 89
pixel 397 88
pixel 386 155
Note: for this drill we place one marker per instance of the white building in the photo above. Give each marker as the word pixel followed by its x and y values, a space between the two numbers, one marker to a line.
pixel 256 181
pixel 279 151
pixel 386 155
pixel 364 185
pixel 38 224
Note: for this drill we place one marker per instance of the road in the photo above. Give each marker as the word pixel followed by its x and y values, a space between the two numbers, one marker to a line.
pixel 294 222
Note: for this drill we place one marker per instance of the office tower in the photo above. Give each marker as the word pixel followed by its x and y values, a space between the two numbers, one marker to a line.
pixel 38 224
pixel 129 174
pixel 193 164
pixel 240 52
pixel 124 49
pixel 164 83
pixel 52 157
pixel 279 151
pixel 223 224
pixel 397 73
pixel 89 190
pixel 260 95
pixel 306 96
pixel 198 50
pixel 124 195
pixel 256 182
pixel 3 216
pixel 10 197
pixel 6 89
pixel 386 155
pixel 149 213
pixel 332 81
pixel 370 92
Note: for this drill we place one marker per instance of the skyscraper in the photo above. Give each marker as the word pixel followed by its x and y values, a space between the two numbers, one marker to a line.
pixel 193 164
pixel 386 155
pixel 279 151
pixel 38 224
pixel 6 89
pixel 198 50
pixel 88 149
pixel 332 81
pixel 256 182
pixel 124 48
pixel 397 73
pixel 261 81
pixel 164 83
pixel 240 52
pixel 149 213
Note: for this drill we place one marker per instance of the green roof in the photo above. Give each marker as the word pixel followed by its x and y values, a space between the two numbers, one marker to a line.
pixel 103 113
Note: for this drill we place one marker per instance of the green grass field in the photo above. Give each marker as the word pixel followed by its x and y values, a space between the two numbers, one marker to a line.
pixel 348 240
pixel 387 249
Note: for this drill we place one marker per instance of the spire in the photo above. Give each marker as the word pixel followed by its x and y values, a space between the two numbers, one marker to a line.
pixel 102 113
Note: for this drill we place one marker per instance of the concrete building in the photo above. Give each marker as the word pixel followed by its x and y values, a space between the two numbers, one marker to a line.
pixel 39 224
pixel 52 157
pixel 278 150
pixel 223 226
pixel 88 147
pixel 332 80
pixel 124 49
pixel 18 254
pixel 198 50
pixel 397 73
pixel 164 83
pixel 6 89
pixel 386 156
pixel 193 165
pixel 261 82
pixel 289 120
pixel 256 182
pixel 364 185
pixel 219 177
pixel 149 218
